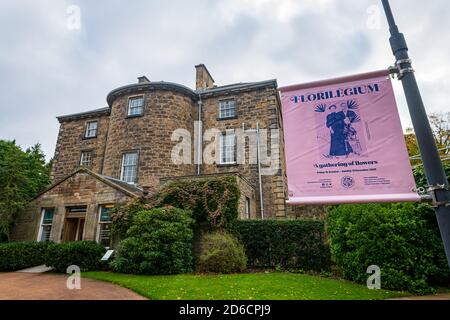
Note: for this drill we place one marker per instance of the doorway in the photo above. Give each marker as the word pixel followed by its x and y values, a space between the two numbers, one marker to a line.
pixel 74 224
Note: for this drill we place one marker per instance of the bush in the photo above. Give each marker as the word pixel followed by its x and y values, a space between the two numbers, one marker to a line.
pixel 402 239
pixel 293 244
pixel 21 255
pixel 221 252
pixel 213 201
pixel 159 241
pixel 84 254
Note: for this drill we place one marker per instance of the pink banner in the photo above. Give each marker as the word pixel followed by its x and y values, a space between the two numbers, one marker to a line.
pixel 344 142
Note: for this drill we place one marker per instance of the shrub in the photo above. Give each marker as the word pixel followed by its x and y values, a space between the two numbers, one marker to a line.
pixel 221 252
pixel 402 239
pixel 21 255
pixel 159 241
pixel 84 254
pixel 293 244
pixel 213 201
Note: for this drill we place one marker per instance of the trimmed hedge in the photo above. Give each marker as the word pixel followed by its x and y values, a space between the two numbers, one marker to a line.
pixel 84 254
pixel 159 241
pixel 221 252
pixel 402 239
pixel 289 244
pixel 21 255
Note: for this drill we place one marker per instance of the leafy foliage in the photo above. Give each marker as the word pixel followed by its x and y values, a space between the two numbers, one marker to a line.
pixel 159 241
pixel 221 253
pixel 421 180
pixel 21 255
pixel 84 254
pixel 294 244
pixel 22 176
pixel 402 239
pixel 213 202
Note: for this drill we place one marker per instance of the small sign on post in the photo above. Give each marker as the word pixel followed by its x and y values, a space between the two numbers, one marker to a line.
pixel 107 255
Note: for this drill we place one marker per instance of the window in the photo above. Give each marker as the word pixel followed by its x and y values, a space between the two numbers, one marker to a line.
pixel 86 158
pixel 135 106
pixel 104 226
pixel 46 224
pixel 91 129
pixel 227 149
pixel 247 207
pixel 129 167
pixel 227 109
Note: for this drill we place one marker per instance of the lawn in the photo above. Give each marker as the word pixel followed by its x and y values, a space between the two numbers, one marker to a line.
pixel 254 286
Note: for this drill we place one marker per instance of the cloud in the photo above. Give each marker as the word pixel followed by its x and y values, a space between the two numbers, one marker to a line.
pixel 47 70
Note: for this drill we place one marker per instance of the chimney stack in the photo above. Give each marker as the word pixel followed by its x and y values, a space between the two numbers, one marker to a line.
pixel 143 79
pixel 204 80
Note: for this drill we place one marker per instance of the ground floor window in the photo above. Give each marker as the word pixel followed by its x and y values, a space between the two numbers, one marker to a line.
pixel 46 224
pixel 104 226
pixel 247 207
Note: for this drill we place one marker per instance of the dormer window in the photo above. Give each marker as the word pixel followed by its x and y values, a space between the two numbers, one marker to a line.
pixel 227 109
pixel 91 129
pixel 135 106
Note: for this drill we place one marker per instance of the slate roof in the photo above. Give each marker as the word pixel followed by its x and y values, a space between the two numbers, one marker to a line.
pixel 162 85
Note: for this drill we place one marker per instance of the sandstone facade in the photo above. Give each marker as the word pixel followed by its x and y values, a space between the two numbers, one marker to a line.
pixel 166 107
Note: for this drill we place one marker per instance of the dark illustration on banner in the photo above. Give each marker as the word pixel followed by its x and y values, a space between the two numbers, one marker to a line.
pixel 339 130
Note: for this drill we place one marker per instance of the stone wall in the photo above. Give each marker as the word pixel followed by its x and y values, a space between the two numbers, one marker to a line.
pixel 149 135
pixel 256 105
pixel 71 142
pixel 82 189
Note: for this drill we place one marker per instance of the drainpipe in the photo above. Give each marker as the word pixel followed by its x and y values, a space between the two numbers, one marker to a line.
pixel 261 199
pixel 200 135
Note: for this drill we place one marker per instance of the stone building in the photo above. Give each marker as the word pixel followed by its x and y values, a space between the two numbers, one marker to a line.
pixel 134 145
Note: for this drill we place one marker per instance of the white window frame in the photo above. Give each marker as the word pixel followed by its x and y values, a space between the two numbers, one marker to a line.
pixel 42 225
pixel 131 107
pixel 91 132
pixel 225 108
pixel 122 171
pixel 100 223
pixel 225 138
pixel 83 161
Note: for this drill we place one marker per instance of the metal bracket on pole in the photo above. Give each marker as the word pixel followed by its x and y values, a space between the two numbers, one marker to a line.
pixel 432 192
pixel 398 70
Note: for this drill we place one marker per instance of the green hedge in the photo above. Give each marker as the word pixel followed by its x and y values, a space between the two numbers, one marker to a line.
pixel 84 254
pixel 159 241
pixel 290 244
pixel 402 239
pixel 21 255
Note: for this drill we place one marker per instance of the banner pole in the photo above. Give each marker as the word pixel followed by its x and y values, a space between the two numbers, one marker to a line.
pixel 434 171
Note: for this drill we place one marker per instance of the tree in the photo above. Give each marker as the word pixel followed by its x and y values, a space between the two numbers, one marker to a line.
pixel 440 124
pixel 22 176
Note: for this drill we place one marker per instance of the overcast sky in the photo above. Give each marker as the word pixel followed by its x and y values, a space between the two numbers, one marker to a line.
pixel 50 67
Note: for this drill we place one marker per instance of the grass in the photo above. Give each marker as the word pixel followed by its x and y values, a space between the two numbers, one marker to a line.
pixel 254 286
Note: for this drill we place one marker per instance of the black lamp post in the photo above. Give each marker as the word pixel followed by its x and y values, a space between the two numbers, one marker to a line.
pixel 434 171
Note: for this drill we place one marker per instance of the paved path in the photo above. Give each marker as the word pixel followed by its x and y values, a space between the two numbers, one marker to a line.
pixel 46 286
pixel 440 296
